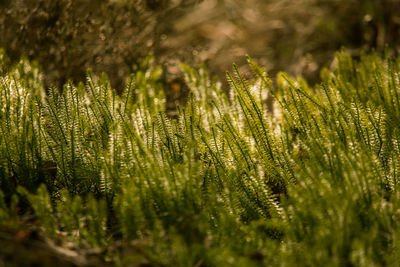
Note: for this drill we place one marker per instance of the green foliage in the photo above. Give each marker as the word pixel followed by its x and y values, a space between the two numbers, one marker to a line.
pixel 41 204
pixel 226 182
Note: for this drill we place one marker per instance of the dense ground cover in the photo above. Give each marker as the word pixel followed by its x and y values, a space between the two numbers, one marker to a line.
pixel 311 179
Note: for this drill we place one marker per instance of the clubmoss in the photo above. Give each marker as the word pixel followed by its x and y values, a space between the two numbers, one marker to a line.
pixel 224 182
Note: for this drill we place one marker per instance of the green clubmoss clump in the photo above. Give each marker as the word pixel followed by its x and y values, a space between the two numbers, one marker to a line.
pixel 225 182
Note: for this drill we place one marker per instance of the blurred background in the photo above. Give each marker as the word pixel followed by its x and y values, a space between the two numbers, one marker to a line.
pixel 68 36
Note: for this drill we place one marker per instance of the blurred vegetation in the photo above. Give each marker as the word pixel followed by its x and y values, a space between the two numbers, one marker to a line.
pixel 114 36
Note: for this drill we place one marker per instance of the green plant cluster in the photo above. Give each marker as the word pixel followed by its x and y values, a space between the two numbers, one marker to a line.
pixel 314 182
